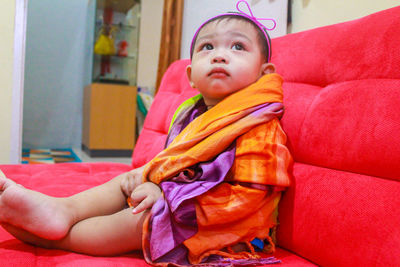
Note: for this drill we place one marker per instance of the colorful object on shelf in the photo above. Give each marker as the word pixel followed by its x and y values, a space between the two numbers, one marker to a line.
pixel 122 49
pixel 48 156
pixel 104 44
pixel 144 100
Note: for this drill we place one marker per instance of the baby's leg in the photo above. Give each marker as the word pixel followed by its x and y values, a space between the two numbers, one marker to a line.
pixel 50 217
pixel 99 236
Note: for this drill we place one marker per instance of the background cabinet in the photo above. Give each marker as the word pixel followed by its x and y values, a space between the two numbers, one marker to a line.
pixel 109 104
pixel 109 115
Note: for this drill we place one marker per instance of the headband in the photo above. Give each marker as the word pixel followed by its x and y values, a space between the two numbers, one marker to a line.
pixel 250 17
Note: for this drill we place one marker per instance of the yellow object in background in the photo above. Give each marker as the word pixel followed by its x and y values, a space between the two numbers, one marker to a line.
pixel 104 45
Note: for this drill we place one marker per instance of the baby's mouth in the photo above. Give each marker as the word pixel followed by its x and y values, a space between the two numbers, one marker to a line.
pixel 218 73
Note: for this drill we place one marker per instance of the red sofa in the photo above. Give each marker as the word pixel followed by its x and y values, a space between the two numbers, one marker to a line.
pixel 342 98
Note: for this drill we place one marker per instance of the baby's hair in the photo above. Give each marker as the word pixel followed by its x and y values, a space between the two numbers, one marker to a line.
pixel 263 43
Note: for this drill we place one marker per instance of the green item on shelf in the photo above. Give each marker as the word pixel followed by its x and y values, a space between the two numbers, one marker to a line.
pixel 141 105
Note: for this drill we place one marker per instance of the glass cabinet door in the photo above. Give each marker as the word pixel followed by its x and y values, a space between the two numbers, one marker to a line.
pixel 116 41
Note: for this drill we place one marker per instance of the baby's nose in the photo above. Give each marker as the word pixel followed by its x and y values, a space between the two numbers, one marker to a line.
pixel 219 59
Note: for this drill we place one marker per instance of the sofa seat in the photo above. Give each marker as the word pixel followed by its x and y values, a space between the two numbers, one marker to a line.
pixel 63 180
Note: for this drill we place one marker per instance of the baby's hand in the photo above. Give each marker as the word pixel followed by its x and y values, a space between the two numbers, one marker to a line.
pixel 131 180
pixel 144 196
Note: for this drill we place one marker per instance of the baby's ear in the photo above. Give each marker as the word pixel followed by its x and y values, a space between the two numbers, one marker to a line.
pixel 189 75
pixel 267 68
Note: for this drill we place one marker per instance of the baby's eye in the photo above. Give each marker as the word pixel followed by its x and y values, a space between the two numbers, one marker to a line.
pixel 237 47
pixel 207 47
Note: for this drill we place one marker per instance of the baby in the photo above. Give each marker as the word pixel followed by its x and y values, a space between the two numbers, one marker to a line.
pixel 211 195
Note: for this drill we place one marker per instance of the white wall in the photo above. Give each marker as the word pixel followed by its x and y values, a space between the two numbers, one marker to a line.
pixel 57 61
pixel 308 14
pixel 149 42
pixel 18 79
pixel 196 12
pixel 7 15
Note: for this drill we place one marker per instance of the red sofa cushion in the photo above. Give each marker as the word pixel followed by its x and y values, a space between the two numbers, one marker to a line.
pixel 337 218
pixel 347 125
pixel 60 180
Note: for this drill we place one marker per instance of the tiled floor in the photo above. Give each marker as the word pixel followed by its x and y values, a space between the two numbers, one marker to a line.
pixel 85 158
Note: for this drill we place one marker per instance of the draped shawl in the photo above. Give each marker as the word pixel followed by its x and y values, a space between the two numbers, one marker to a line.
pixel 221 174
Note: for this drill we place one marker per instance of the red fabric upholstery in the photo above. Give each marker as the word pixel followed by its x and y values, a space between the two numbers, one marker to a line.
pixel 60 180
pixel 365 48
pixel 342 120
pixel 342 92
pixel 337 218
pixel 337 72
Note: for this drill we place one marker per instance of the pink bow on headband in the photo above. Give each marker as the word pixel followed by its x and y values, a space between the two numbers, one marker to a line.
pixel 252 17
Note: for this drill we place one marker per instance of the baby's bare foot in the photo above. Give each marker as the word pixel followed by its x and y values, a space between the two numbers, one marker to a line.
pixel 32 211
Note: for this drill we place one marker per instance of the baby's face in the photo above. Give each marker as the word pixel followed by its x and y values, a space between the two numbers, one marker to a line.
pixel 226 58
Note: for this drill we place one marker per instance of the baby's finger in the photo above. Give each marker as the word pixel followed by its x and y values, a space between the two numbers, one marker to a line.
pixel 145 204
pixel 137 196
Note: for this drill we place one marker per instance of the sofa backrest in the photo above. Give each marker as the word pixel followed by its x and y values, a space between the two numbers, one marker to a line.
pixel 342 85
pixel 342 118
